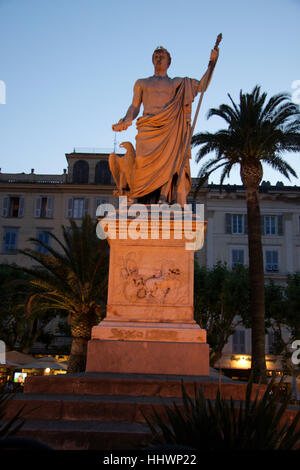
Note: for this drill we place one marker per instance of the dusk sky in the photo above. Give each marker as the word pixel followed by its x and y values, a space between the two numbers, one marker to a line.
pixel 69 67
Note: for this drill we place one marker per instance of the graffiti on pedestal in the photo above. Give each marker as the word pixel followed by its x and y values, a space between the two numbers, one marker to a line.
pixel 159 285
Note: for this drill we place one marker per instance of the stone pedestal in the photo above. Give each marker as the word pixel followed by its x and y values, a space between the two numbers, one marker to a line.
pixel 149 325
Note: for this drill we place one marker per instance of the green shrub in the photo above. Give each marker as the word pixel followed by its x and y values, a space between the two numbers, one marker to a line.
pixel 222 424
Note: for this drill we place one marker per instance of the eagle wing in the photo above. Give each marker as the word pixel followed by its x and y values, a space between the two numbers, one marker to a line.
pixel 114 168
pixel 128 161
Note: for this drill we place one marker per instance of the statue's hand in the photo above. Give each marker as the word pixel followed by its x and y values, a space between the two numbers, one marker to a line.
pixel 122 125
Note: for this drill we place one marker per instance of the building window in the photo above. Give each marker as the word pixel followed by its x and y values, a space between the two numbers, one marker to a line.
pixel 77 207
pixel 10 240
pixel 44 237
pixel 13 206
pixel 272 225
pixel 238 342
pixel 236 224
pixel 237 257
pixel 43 207
pixel 102 173
pixel 271 260
pixel 81 172
pixel 99 201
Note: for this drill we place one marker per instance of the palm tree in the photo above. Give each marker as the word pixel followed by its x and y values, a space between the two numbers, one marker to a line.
pixel 258 131
pixel 72 279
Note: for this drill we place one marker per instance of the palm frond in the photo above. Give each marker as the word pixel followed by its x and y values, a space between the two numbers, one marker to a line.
pixel 257 129
pixel 71 278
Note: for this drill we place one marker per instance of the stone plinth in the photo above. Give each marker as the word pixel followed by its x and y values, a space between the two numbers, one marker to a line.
pixel 149 325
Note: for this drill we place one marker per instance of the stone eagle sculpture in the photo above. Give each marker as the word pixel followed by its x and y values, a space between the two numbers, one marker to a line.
pixel 121 168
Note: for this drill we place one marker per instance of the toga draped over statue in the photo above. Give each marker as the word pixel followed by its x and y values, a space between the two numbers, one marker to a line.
pixel 161 144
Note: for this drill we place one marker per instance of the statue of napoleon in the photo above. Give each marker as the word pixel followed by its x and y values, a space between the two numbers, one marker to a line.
pixel 158 170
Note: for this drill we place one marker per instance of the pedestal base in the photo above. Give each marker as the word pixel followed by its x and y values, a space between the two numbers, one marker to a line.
pixel 148 357
pixel 149 331
pixel 149 326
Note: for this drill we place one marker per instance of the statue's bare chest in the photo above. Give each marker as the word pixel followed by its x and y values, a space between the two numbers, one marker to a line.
pixel 160 85
pixel 158 92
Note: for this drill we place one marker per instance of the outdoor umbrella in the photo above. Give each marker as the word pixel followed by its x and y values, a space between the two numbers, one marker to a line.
pixel 44 365
pixel 11 364
pixel 18 357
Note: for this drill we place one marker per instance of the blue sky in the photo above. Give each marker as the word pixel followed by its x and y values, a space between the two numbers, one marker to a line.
pixel 70 65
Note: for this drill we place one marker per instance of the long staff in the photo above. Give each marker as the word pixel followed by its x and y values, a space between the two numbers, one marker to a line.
pixel 211 67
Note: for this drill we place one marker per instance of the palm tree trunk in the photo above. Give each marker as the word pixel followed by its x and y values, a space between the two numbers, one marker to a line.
pixel 81 327
pixel 77 359
pixel 257 297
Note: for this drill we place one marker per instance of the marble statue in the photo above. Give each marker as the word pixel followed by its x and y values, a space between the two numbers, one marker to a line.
pixel 163 137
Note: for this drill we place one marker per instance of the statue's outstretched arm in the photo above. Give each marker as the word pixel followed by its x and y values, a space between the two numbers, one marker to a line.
pixel 205 80
pixel 132 111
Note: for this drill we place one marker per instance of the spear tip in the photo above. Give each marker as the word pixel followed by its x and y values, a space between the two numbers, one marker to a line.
pixel 219 39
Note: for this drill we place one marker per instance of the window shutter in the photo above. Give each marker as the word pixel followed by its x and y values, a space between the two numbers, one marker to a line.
pixel 10 240
pixel 98 201
pixel 37 207
pixel 238 342
pixel 69 212
pixel 262 222
pixel 280 224
pixel 44 237
pixel 86 205
pixel 6 240
pixel 237 257
pixel 235 342
pixel 245 223
pixel 21 207
pixel 49 210
pixel 228 228
pixel 242 341
pixel 5 206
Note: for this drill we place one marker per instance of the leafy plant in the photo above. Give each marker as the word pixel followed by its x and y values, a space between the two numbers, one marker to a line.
pixel 18 330
pixel 12 426
pixel 220 424
pixel 221 303
pixel 282 316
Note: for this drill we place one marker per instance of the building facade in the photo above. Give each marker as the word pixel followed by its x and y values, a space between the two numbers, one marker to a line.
pixel 32 204
pixel 226 241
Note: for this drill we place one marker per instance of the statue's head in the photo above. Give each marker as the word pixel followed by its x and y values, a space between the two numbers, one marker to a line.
pixel 161 51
